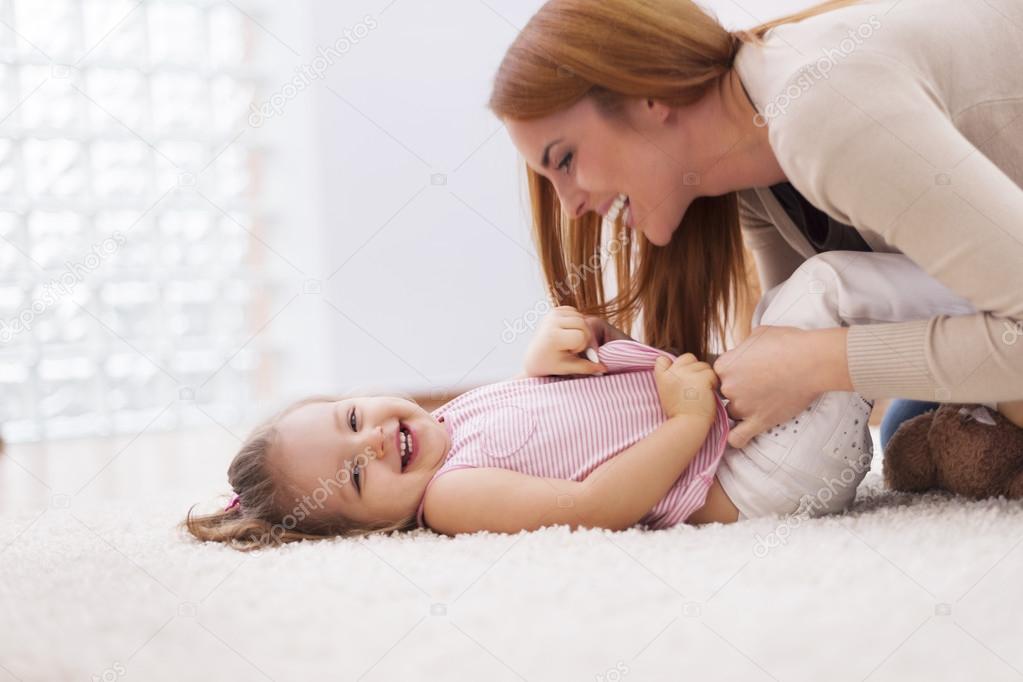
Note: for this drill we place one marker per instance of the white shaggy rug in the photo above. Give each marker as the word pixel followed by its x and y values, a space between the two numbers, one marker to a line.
pixel 900 588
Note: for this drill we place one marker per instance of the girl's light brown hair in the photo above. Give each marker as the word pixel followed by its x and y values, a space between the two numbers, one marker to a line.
pixel 270 513
pixel 699 287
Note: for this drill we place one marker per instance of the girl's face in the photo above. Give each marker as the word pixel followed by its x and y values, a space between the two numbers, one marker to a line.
pixel 592 158
pixel 349 456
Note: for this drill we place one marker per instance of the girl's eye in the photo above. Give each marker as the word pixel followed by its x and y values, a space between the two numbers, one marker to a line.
pixel 352 421
pixel 566 162
pixel 357 477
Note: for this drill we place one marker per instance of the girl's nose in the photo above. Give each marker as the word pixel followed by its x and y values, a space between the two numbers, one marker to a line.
pixel 373 443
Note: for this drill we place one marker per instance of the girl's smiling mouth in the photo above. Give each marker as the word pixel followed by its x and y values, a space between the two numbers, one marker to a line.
pixel 406 445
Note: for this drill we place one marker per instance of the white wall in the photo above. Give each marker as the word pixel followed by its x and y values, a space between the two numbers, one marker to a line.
pixel 419 279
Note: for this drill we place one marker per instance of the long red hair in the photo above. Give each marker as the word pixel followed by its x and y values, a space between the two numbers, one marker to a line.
pixel 694 292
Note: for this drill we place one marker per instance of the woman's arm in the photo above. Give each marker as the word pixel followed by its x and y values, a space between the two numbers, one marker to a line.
pixel 877 150
pixel 775 258
pixel 894 164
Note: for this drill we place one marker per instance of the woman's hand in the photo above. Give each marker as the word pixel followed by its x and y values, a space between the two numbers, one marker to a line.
pixel 686 387
pixel 777 372
pixel 563 335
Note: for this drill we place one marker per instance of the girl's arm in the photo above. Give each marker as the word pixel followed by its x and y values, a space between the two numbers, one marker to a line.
pixel 625 488
pixel 615 495
pixel 622 490
pixel 559 343
pixel 501 501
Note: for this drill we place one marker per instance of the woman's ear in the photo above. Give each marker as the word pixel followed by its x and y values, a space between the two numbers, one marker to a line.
pixel 658 111
pixel 647 113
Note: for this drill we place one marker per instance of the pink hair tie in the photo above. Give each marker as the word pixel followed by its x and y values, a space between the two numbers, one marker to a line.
pixel 236 501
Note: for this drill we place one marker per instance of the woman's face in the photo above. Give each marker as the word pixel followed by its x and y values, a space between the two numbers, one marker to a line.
pixel 347 457
pixel 591 158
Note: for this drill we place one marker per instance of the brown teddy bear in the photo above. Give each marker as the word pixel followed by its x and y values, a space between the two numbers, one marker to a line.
pixel 964 449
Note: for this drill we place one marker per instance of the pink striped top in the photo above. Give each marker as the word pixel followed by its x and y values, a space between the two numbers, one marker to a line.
pixel 565 427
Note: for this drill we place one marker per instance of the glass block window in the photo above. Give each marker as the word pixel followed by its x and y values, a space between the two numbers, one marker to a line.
pixel 129 217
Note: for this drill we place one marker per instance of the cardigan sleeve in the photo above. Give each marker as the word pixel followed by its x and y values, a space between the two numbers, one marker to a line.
pixel 775 258
pixel 875 147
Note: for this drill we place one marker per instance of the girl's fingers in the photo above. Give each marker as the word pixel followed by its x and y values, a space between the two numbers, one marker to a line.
pixel 597 329
pixel 574 365
pixel 573 338
pixel 711 375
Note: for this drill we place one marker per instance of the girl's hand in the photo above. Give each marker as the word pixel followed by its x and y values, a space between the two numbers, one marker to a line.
pixel 686 387
pixel 777 372
pixel 563 335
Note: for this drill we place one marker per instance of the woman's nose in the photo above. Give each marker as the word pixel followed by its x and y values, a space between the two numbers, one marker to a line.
pixel 575 206
pixel 573 200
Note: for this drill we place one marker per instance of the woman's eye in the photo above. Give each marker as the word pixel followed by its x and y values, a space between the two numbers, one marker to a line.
pixel 566 162
pixel 352 421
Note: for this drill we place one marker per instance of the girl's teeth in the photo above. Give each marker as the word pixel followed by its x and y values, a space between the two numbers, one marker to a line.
pixel 406 447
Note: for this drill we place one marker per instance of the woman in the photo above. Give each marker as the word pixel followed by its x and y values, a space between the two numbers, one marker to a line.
pixel 855 125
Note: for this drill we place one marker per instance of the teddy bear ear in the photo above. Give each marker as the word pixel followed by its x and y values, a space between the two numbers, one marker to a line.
pixel 978 413
pixel 908 465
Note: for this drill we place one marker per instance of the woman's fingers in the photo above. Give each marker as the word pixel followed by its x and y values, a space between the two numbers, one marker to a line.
pixel 744 432
pixel 766 380
pixel 733 411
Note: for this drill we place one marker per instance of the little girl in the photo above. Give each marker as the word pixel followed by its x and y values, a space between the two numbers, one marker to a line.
pixel 635 438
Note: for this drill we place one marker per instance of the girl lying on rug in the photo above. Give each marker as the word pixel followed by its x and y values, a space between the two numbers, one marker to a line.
pixel 635 439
